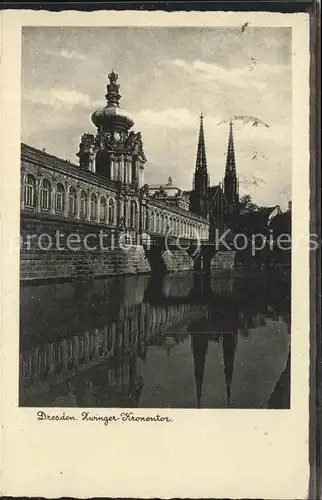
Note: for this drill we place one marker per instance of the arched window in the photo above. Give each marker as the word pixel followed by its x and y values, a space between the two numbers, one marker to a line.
pixel 111 211
pixel 60 198
pixel 83 204
pixel 30 191
pixel 72 201
pixel 45 192
pixel 93 206
pixel 157 223
pixel 102 209
pixel 133 214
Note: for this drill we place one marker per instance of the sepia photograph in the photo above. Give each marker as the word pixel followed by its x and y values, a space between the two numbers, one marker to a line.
pixel 155 217
pixel 156 240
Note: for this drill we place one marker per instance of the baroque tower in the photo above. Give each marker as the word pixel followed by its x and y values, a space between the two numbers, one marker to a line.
pixel 199 203
pixel 230 180
pixel 115 152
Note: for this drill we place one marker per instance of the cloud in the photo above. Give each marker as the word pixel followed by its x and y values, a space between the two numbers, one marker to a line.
pixel 275 133
pixel 178 118
pixel 184 119
pixel 66 54
pixel 256 75
pixel 60 98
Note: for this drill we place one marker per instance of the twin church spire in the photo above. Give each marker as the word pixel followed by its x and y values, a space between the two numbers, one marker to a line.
pixel 202 179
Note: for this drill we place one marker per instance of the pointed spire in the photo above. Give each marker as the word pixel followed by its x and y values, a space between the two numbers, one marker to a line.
pixel 199 349
pixel 230 161
pixel 199 201
pixel 201 161
pixel 229 349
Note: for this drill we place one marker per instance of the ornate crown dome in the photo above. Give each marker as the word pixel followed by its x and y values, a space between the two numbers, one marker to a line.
pixel 112 117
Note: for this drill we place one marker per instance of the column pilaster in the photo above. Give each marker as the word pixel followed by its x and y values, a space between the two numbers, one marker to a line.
pixel 88 212
pixel 129 168
pixel 113 169
pixel 78 192
pixel 66 201
pixel 98 208
pixel 121 167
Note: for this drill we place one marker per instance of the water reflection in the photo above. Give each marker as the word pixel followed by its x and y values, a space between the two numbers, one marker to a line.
pixel 183 341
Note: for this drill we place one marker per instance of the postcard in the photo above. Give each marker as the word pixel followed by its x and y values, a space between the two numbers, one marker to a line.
pixel 155 254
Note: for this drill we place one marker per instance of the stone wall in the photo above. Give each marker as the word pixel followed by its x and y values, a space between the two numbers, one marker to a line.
pixel 61 262
pixel 177 260
pixel 223 260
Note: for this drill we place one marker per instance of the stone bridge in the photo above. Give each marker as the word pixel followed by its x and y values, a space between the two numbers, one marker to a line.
pixel 167 253
pixel 119 252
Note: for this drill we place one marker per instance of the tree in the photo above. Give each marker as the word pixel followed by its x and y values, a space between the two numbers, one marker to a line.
pixel 246 205
pixel 252 218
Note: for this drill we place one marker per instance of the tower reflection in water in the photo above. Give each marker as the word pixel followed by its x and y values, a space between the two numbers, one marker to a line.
pixel 183 341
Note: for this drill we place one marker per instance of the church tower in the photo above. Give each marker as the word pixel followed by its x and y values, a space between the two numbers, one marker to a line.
pixel 230 180
pixel 115 152
pixel 199 203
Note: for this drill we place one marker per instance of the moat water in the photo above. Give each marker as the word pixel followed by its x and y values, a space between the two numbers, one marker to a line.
pixel 181 341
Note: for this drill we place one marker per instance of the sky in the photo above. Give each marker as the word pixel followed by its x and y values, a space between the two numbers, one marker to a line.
pixel 167 76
